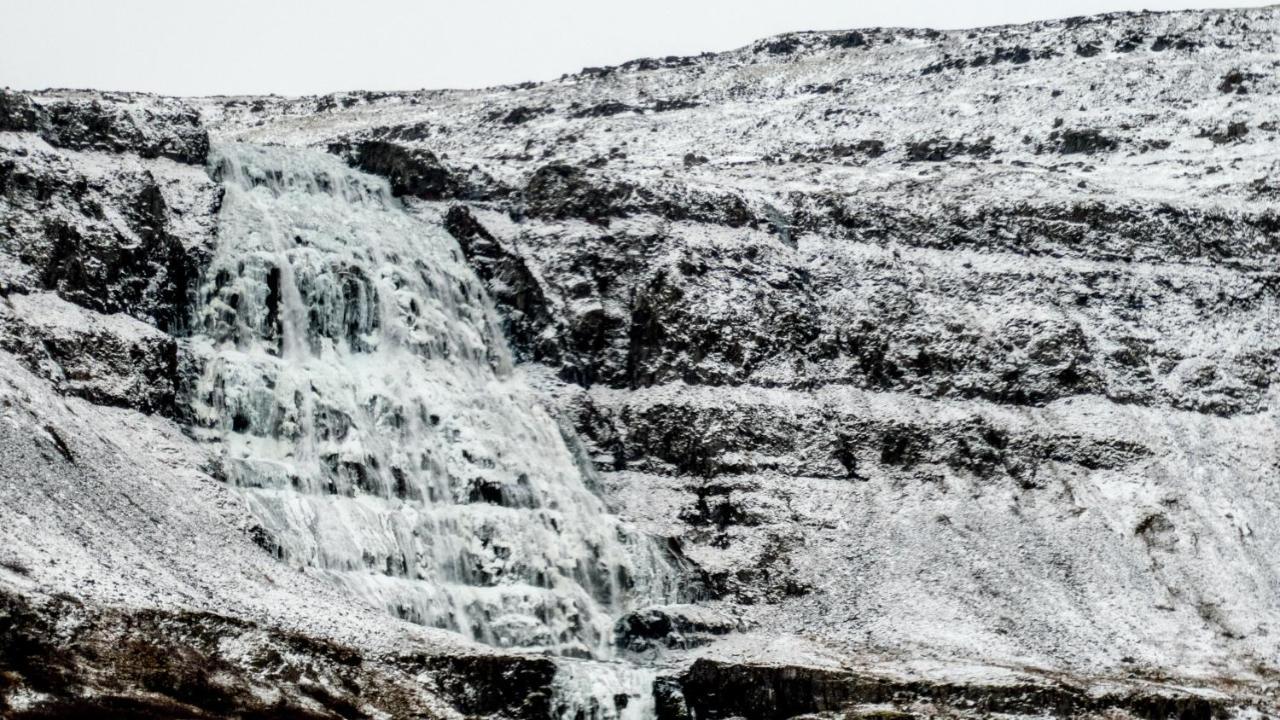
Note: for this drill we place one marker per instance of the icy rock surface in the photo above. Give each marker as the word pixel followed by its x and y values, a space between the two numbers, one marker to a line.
pixel 366 407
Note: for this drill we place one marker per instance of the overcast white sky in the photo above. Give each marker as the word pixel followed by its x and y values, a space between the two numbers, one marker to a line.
pixel 292 47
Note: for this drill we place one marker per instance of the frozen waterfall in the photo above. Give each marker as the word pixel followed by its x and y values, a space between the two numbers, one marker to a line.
pixel 366 407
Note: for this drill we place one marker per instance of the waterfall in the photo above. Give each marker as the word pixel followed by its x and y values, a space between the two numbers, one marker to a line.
pixel 364 403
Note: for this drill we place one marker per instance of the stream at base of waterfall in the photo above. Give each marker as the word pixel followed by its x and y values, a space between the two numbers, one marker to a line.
pixel 356 382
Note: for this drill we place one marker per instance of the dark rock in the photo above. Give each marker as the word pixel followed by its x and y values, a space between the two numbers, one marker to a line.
pixel 105 360
pixel 1085 140
pixel 669 700
pixel 644 64
pixel 18 113
pixel 681 204
pixel 669 61
pixel 1234 82
pixel 413 172
pixel 521 115
pixel 842 151
pixel 871 148
pixel 930 150
pixel 942 149
pixel 560 191
pixel 668 338
pixel 718 690
pixel 1017 55
pixel 716 505
pixel 780 46
pixel 1093 229
pixel 1235 131
pixel 142 663
pixel 142 268
pixel 492 685
pixel 846 40
pixel 674 104
pixel 1156 531
pixel 416 172
pixel 822 89
pixel 1130 42
pixel 1177 42
pixel 670 627
pixel 411 132
pixel 527 315
pixel 1013 55
pixel 171 130
pixel 607 109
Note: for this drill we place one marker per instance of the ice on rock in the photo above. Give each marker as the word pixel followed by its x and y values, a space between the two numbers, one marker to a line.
pixel 594 690
pixel 366 407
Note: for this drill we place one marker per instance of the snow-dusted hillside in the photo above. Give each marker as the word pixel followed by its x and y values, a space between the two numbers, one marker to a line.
pixel 943 362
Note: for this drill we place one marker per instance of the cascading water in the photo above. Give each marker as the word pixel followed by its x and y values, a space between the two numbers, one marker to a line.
pixel 367 409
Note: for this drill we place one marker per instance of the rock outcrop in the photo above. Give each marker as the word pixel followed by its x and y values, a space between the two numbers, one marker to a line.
pixel 157 664
pixel 711 689
pixel 109 122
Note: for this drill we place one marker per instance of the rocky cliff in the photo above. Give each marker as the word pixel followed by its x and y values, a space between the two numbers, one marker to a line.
pixel 940 362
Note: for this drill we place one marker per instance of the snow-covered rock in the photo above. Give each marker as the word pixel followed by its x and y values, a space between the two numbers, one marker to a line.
pixel 943 362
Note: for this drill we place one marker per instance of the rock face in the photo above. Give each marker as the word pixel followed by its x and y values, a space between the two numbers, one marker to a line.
pixel 924 351
pixel 107 222
pixel 108 236
pixel 109 122
pixel 106 359
pixel 153 664
pixel 716 690
pixel 412 172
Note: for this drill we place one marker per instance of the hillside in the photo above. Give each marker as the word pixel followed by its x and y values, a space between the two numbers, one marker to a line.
pixel 920 369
